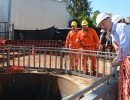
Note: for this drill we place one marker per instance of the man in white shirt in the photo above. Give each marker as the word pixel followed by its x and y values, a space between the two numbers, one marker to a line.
pixel 120 33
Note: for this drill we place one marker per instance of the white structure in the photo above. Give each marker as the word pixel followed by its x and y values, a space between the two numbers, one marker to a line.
pixel 4 6
pixel 35 14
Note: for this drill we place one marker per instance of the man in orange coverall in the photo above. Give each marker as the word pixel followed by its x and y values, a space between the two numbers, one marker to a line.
pixel 71 43
pixel 88 40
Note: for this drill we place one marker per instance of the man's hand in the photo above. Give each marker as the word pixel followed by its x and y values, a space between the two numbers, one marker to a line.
pixel 77 40
pixel 115 62
pixel 100 47
pixel 117 48
pixel 66 46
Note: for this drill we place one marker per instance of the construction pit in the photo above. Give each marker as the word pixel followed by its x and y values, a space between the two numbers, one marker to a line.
pixel 34 86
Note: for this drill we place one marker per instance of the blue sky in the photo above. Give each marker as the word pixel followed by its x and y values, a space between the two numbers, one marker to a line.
pixel 116 7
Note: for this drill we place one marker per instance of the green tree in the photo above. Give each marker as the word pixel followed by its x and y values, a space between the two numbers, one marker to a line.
pixel 80 10
pixel 95 13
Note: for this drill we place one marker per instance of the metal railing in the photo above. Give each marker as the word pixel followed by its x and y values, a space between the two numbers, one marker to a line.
pixel 104 89
pixel 50 58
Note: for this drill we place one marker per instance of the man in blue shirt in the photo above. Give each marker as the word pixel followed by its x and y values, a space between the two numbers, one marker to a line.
pixel 120 33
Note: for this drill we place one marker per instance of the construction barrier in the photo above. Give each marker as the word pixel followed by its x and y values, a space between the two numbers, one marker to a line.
pixel 2 41
pixel 36 43
pixel 124 80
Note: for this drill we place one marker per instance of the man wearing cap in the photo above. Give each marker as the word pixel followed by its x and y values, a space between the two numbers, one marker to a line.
pixel 88 40
pixel 120 33
pixel 71 43
pixel 117 19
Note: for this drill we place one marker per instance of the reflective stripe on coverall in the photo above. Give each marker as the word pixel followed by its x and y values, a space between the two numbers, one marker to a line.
pixel 88 40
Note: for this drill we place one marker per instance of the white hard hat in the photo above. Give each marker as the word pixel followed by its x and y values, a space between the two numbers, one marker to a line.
pixel 117 18
pixel 102 30
pixel 101 17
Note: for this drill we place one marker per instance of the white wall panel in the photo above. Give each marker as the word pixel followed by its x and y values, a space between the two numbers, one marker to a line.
pixel 40 14
pixel 4 4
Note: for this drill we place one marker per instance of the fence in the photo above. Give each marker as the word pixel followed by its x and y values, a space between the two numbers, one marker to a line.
pixel 36 43
pixel 52 59
pixel 4 30
pixel 56 58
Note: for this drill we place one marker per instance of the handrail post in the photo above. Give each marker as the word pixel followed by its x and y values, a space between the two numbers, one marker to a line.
pixel 8 57
pixel 61 59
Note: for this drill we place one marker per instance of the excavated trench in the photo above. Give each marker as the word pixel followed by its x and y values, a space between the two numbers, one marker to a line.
pixel 34 86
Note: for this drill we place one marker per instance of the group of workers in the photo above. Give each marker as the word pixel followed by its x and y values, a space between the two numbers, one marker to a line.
pixel 87 39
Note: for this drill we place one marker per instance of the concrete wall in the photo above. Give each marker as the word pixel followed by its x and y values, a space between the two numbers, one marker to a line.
pixel 40 14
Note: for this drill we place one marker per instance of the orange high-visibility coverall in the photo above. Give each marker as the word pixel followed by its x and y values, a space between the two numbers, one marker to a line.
pixel 88 40
pixel 71 43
